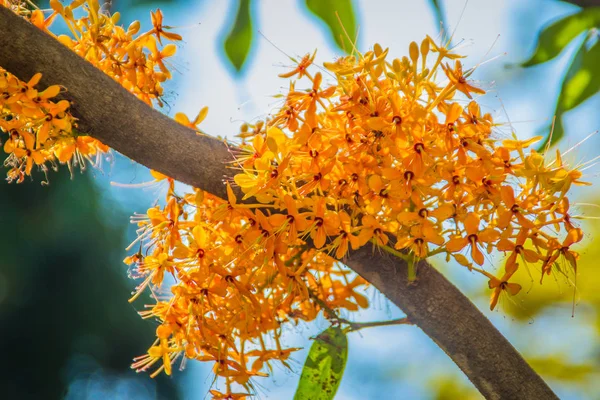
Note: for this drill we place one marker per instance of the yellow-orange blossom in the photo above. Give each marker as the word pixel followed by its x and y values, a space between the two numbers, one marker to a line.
pixel 374 152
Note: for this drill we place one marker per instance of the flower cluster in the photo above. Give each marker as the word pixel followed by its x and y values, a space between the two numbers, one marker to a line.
pixel 235 278
pixel 384 156
pixel 40 130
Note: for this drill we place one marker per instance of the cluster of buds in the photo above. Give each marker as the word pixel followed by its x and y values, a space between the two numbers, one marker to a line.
pixel 40 129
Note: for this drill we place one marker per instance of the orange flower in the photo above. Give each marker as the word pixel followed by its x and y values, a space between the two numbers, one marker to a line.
pixel 417 241
pixel 294 222
pixel 185 121
pixel 557 250
pixel 517 249
pixel 474 238
pixel 323 223
pixel 459 81
pixel 301 68
pixel 501 285
pixel 159 29
pixel 346 237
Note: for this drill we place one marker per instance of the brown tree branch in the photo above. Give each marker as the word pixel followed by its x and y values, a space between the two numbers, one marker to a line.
pixel 109 113
pixel 584 3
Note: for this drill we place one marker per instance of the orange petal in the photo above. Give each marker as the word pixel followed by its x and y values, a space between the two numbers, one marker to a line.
pixel 476 254
pixel 513 288
pixel 454 112
pixel 169 50
pixel 50 92
pixel 575 235
pixel 508 196
pixel 472 223
pixel 456 244
pixel 494 298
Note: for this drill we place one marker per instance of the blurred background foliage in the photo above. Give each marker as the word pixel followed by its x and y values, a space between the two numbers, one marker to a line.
pixel 67 330
pixel 65 321
pixel 581 79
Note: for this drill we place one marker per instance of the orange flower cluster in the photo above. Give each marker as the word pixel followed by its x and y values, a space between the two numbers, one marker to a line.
pixel 136 60
pixel 386 155
pixel 383 155
pixel 234 278
pixel 41 131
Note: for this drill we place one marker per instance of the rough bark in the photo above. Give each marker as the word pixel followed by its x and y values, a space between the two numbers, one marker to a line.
pixel 109 113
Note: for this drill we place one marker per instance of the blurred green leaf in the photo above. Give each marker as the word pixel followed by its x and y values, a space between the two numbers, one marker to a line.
pixel 449 387
pixel 239 38
pixel 324 366
pixel 326 11
pixel 556 132
pixel 580 83
pixel 555 367
pixel 553 38
pixel 439 14
pixel 583 83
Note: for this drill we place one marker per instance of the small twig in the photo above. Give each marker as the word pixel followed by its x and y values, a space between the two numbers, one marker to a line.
pixel 331 314
pixel 355 326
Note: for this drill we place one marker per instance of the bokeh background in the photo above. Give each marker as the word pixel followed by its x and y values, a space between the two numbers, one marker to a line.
pixel 66 328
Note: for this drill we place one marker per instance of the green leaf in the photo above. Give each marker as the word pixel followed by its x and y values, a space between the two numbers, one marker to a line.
pixel 324 366
pixel 554 37
pixel 584 82
pixel 580 83
pixel 239 38
pixel 326 11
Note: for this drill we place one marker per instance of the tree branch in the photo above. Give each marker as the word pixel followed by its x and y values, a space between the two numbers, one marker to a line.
pixel 584 3
pixel 109 113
